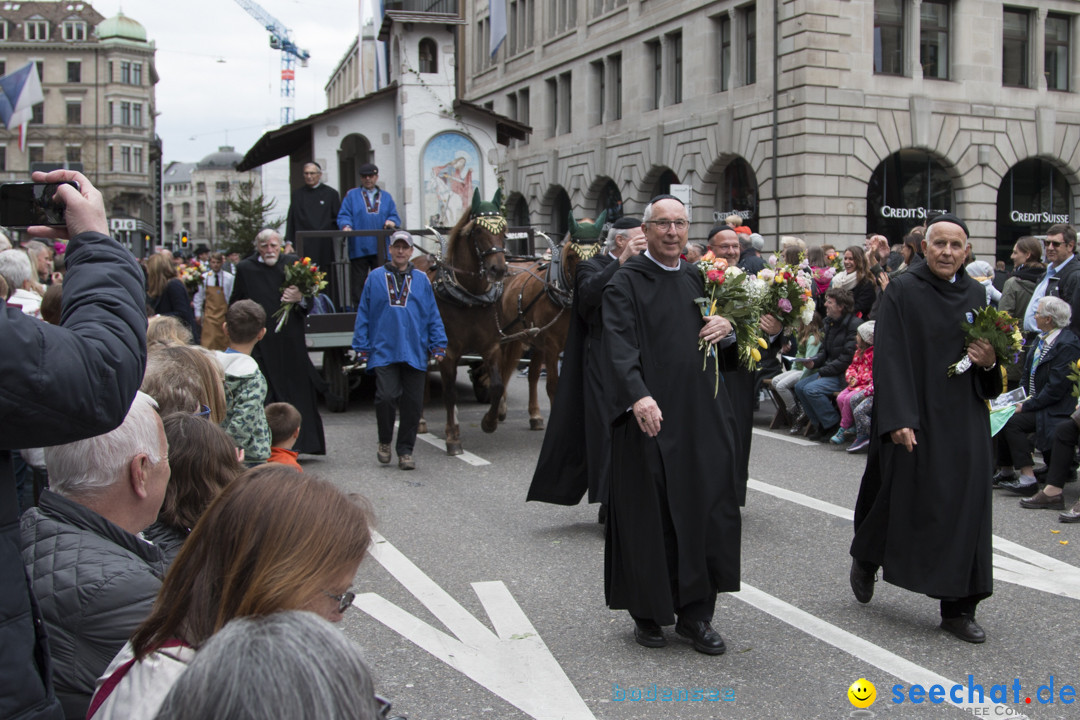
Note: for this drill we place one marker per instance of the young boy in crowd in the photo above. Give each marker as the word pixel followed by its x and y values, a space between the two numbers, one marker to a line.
pixel 284 422
pixel 245 386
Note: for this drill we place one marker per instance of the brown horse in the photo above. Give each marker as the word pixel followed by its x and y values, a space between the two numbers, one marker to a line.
pixel 467 279
pixel 536 311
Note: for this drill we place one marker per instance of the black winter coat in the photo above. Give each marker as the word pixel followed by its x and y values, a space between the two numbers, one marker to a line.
pixel 81 387
pixel 837 346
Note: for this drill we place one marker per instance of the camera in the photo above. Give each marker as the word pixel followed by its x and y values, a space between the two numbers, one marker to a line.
pixel 23 204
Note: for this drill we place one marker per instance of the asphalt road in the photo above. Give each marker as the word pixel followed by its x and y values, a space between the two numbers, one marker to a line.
pixel 796 637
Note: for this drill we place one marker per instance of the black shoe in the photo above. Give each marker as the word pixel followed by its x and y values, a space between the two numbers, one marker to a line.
pixel 965 628
pixel 862 580
pixel 702 636
pixel 1016 488
pixel 648 634
pixel 825 434
pixel 1000 477
pixel 1042 501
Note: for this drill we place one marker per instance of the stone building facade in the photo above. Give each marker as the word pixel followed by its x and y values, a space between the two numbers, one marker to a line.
pixel 98 79
pixel 197 194
pixel 825 119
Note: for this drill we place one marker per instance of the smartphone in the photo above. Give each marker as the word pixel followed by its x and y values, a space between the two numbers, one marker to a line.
pixel 23 204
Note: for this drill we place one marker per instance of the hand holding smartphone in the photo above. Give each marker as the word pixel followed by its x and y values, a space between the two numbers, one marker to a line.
pixel 23 204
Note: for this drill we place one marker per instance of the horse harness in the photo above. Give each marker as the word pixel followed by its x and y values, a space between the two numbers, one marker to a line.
pixel 556 286
pixel 446 285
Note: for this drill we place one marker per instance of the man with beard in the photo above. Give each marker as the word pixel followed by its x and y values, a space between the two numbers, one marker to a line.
pixel 741 384
pixel 576 452
pixel 315 206
pixel 924 507
pixel 673 530
pixel 282 356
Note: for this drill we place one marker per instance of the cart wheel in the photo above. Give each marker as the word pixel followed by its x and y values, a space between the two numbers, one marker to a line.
pixel 337 382
pixel 479 378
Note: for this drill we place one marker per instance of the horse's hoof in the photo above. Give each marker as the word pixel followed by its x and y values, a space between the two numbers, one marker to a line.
pixel 502 416
pixel 422 427
pixel 536 423
pixel 453 448
pixel 488 426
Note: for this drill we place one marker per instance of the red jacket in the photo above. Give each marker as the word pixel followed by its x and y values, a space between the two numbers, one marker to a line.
pixel 861 370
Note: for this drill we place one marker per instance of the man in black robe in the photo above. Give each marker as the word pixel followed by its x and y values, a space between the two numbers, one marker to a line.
pixel 673 529
pixel 315 206
pixel 741 384
pixel 924 507
pixel 576 452
pixel 282 356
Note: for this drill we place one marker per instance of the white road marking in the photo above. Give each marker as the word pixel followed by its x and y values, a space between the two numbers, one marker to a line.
pixel 786 437
pixel 514 663
pixel 1027 567
pixel 907 671
pixel 466 456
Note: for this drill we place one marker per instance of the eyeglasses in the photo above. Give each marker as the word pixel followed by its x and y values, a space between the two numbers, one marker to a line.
pixel 1053 243
pixel 344 600
pixel 665 225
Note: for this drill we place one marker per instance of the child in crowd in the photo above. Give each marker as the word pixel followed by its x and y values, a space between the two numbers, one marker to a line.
pixel 284 422
pixel 245 386
pixel 783 385
pixel 860 381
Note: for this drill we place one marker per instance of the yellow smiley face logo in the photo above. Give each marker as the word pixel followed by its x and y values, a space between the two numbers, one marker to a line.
pixel 862 693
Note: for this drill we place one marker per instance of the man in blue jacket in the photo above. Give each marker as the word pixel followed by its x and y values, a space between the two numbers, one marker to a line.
pixel 397 326
pixel 365 208
pixel 82 387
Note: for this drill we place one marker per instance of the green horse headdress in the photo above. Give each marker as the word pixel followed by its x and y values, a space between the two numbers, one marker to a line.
pixel 488 214
pixel 585 236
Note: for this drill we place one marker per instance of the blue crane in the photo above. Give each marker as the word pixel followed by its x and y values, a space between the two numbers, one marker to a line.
pixel 280 40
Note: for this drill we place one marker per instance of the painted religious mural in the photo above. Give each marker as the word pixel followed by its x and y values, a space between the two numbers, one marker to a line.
pixel 451 168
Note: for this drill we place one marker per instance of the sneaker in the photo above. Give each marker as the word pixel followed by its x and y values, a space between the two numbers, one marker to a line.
pixel 838 437
pixel 384 453
pixel 405 462
pixel 859 444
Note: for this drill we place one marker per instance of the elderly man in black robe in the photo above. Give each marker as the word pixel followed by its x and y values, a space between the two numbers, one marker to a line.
pixel 576 452
pixel 315 206
pixel 924 508
pixel 282 356
pixel 673 530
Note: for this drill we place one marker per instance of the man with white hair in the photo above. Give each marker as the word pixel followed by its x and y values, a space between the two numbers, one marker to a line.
pixel 924 508
pixel 16 270
pixel 282 356
pixel 94 577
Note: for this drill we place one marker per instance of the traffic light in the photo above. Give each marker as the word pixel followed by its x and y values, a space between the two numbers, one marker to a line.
pixel 183 240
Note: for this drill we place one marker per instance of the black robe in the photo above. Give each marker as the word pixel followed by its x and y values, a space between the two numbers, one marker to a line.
pixel 577 445
pixel 283 356
pixel 315 209
pixel 673 532
pixel 925 516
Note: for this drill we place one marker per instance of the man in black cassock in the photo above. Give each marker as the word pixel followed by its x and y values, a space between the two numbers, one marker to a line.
pixel 741 384
pixel 315 206
pixel 282 356
pixel 577 446
pixel 924 507
pixel 673 529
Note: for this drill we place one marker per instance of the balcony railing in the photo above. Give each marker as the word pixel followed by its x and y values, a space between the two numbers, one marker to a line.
pixel 431 6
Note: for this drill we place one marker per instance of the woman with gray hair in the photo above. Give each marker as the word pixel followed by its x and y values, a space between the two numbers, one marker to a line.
pixel 289 664
pixel 1050 401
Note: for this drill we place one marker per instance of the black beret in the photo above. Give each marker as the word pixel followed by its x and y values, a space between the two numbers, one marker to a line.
pixel 949 218
pixel 626 222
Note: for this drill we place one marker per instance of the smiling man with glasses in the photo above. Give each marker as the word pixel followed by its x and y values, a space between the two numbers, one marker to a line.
pixel 1062 278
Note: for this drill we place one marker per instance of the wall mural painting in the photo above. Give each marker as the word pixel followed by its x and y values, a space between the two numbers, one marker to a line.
pixel 451 170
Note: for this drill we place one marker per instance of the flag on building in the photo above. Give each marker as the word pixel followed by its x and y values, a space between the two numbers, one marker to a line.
pixel 19 92
pixel 497 18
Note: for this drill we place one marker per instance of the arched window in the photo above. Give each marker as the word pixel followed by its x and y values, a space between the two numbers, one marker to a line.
pixel 429 56
pixel 1033 196
pixel 908 188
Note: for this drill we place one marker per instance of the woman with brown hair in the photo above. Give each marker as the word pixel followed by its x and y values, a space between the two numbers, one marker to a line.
pixel 203 461
pixel 274 539
pixel 1027 272
pixel 165 292
pixel 857 278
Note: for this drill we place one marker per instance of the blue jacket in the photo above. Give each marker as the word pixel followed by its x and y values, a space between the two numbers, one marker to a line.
pixel 354 214
pixel 398 325
pixel 60 384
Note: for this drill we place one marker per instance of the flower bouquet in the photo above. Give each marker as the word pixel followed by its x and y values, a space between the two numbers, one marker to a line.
pixel 787 295
pixel 835 260
pixel 998 328
pixel 191 275
pixel 308 279
pixel 732 293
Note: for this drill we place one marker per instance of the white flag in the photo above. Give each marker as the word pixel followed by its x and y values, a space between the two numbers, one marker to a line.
pixel 497 18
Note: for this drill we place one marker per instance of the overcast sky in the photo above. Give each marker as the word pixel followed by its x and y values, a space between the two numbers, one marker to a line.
pixel 219 78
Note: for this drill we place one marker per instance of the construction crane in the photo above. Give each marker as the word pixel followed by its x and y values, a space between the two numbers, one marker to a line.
pixel 280 40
